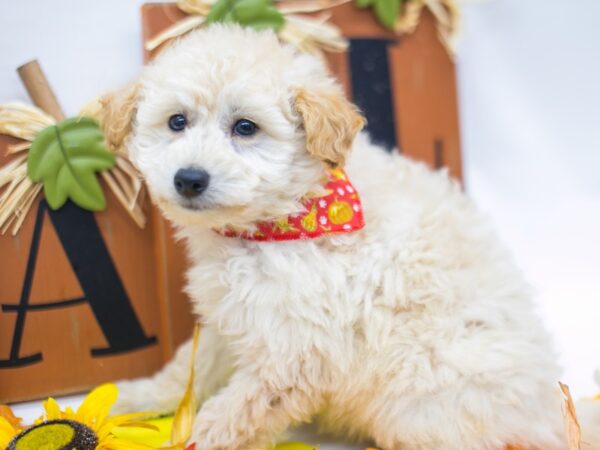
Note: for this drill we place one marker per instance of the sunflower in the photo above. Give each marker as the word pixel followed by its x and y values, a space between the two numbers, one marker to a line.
pixel 10 426
pixel 88 428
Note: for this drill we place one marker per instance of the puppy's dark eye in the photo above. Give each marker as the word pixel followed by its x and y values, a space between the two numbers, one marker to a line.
pixel 244 127
pixel 177 122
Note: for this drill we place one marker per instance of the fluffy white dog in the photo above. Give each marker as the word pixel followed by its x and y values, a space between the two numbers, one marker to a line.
pixel 415 332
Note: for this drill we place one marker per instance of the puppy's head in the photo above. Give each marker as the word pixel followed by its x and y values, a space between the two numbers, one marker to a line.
pixel 229 127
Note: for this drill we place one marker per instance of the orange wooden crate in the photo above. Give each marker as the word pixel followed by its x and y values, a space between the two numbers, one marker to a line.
pixel 69 322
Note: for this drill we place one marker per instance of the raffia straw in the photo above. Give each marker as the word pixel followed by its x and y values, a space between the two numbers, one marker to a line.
pixel 16 148
pixel 126 184
pixel 313 38
pixel 25 205
pixel 14 179
pixel 23 121
pixel 18 192
pixel 178 29
pixel 572 427
pixel 131 184
pixel 10 201
pixel 7 171
pixel 409 19
pixel 136 179
pixel 136 213
pixel 199 7
pixel 4 228
pixel 447 16
pixel 17 198
pixel 313 34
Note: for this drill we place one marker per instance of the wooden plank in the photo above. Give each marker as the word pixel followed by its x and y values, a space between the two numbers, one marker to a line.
pixel 66 336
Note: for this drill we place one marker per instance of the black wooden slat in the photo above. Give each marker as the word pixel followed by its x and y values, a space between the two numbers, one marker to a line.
pixel 371 88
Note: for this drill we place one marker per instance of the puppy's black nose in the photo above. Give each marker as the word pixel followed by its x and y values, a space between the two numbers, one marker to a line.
pixel 191 183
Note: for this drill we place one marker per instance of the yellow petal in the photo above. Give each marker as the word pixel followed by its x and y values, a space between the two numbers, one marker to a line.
pixel 109 425
pixel 186 410
pixel 52 409
pixel 96 405
pixel 10 417
pixel 133 416
pixel 7 432
pixel 148 437
pixel 145 425
pixel 69 413
pixel 114 443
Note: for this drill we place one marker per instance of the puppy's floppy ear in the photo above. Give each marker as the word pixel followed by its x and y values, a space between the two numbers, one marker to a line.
pixel 331 123
pixel 116 113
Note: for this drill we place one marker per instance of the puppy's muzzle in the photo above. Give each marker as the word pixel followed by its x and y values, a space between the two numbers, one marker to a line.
pixel 191 183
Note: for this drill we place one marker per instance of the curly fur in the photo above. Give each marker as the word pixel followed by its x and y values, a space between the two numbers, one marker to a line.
pixel 417 332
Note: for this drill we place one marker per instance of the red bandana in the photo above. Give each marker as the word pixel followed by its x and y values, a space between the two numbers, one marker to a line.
pixel 338 211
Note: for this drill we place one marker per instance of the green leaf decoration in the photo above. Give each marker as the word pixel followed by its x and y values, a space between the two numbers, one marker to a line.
pixel 364 3
pixel 258 14
pixel 294 446
pixel 219 10
pixel 387 11
pixel 65 158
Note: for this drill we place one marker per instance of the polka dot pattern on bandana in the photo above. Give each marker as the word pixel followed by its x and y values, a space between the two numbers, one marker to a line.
pixel 338 211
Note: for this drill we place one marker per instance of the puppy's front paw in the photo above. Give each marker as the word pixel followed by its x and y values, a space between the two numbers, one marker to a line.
pixel 214 436
pixel 221 430
pixel 141 396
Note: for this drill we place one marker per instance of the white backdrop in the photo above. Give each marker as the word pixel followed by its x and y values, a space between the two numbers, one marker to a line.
pixel 529 74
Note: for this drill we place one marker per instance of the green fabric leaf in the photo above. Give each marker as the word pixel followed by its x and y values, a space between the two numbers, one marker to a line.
pixel 229 17
pixel 268 19
pixel 218 11
pixel 387 11
pixel 258 14
pixel 65 158
pixel 364 3
pixel 248 9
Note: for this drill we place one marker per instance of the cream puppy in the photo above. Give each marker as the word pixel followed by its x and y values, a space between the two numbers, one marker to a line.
pixel 416 332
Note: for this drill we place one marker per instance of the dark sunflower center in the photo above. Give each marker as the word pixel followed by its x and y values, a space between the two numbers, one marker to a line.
pixel 55 435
